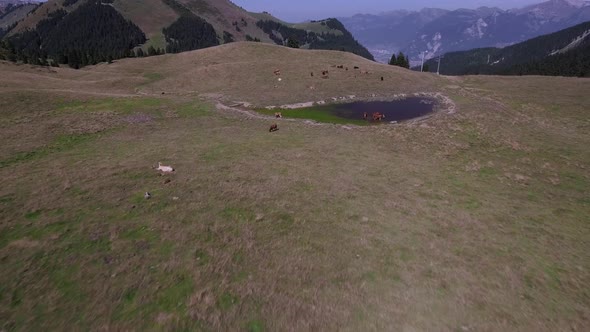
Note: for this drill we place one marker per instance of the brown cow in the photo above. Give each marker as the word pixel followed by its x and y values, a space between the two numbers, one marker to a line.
pixel 273 127
pixel 278 115
pixel 378 116
pixel 277 72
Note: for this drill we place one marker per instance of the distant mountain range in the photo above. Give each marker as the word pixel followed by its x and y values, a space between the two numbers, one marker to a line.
pixel 438 31
pixel 92 31
pixel 562 53
pixel 7 3
pixel 4 3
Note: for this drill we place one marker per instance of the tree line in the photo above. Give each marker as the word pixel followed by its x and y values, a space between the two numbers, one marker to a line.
pixel 90 34
pixel 95 32
pixel 400 60
pixel 190 32
pixel 292 37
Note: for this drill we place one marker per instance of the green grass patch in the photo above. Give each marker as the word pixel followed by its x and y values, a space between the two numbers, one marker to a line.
pixel 37 231
pixel 487 172
pixel 156 40
pixel 283 223
pixel 119 105
pixel 61 143
pixel 17 297
pixel 370 276
pixel 240 276
pixel 7 199
pixel 255 325
pixel 201 257
pixel 317 113
pixel 153 77
pixel 83 243
pixel 226 301
pixel 553 276
pixel 127 307
pixel 173 298
pixel 193 110
pixel 217 152
pixel 472 204
pixel 572 181
pixel 237 214
pixel 63 280
pixel 139 233
pixel 33 215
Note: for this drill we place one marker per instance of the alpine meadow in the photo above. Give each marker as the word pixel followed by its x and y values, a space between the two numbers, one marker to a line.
pixel 171 165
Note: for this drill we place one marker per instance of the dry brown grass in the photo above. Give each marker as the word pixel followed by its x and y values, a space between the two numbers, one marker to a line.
pixel 476 220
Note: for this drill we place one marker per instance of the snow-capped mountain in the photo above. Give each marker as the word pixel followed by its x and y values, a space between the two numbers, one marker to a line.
pixel 437 31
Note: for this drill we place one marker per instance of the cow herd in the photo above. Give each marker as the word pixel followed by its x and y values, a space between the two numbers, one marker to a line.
pixel 376 116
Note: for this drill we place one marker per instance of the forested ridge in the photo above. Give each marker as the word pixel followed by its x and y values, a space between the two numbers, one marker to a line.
pixel 281 34
pixel 86 32
pixel 94 32
pixel 544 55
pixel 189 32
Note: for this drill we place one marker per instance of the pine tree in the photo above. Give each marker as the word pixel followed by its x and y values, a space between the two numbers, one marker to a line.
pixel 73 60
pixel 292 43
pixel 403 61
pixel 393 60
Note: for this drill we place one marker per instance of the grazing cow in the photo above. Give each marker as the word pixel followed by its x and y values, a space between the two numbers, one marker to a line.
pixel 273 127
pixel 278 115
pixel 340 67
pixel 277 72
pixel 356 67
pixel 378 116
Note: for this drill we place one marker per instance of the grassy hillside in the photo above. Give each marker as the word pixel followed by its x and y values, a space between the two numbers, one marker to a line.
pixel 229 70
pixel 543 55
pixel 470 220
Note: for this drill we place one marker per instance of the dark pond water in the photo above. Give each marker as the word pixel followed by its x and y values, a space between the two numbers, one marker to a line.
pixel 397 110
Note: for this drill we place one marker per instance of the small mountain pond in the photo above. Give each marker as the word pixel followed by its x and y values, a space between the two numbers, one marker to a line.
pixel 354 113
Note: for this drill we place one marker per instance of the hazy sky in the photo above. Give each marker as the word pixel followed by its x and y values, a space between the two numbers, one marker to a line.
pixel 301 10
